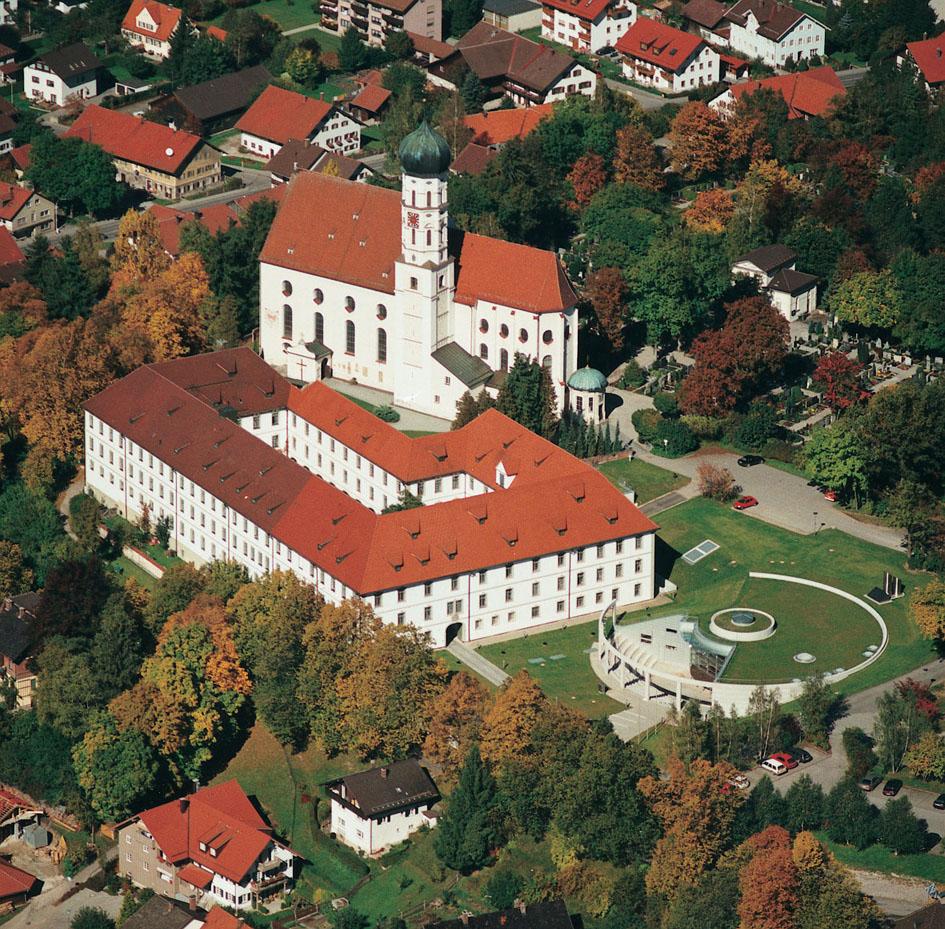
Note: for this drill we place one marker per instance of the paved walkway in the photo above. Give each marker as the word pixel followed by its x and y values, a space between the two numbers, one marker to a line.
pixel 475 662
pixel 673 498
pixel 410 420
pixel 73 490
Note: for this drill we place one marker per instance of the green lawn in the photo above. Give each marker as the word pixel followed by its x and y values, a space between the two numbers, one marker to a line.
pixel 569 680
pixel 126 569
pixel 830 556
pixel 289 14
pixel 879 858
pixel 648 480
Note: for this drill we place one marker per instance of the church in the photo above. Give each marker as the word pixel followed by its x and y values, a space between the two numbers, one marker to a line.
pixel 373 286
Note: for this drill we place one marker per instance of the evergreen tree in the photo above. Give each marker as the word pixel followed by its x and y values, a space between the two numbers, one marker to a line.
pixel 528 397
pixel 352 53
pixel 464 14
pixel 467 832
pixel 805 805
pixel 850 816
pixel 473 92
pixel 899 830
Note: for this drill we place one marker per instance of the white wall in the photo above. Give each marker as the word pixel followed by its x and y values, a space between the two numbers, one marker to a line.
pixel 804 40
pixel 583 35
pixel 702 68
pixel 44 85
pixel 371 836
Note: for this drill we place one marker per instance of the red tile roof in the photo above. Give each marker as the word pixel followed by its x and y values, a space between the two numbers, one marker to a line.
pixel 775 19
pixel 371 98
pixel 21 156
pixel 221 817
pixel 807 93
pixel 12 199
pixel 12 258
pixel 929 57
pixel 218 918
pixel 473 159
pixel 166 18
pixel 351 232
pixel 14 881
pixel 279 115
pixel 366 552
pixel 195 875
pixel 270 193
pixel 215 218
pixel 137 140
pixel 432 48
pixel 659 44
pixel 500 126
pixel 215 32
pixel 590 10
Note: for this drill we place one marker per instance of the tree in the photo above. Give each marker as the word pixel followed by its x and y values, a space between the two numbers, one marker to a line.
pixel 926 758
pixel 350 918
pixel 119 645
pixel 304 67
pixel 31 522
pixel 92 918
pixel 205 59
pixel 712 901
pixel 606 292
pixel 117 770
pixel 840 378
pixel 858 747
pixel 769 882
pixel 73 595
pixel 21 308
pixel 173 592
pixel 503 888
pixel 528 397
pixel 403 116
pixel 399 45
pixel 508 725
pixel 467 832
pixel 699 141
pixel 850 816
pixel 635 161
pixel 85 513
pixel 587 177
pixel 805 805
pixel 927 608
pixel 868 298
pixel 828 894
pixel 455 722
pixel 66 288
pixel 249 36
pixel 759 426
pixel 67 692
pixel 15 576
pixel 469 407
pixel 711 211
pixel 816 707
pixel 697 815
pixel 715 482
pixel 352 53
pixel 896 726
pixel 139 254
pixel 837 458
pixel 899 829
pixel 473 92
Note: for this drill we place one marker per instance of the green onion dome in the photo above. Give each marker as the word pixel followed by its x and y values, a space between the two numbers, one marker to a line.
pixel 424 153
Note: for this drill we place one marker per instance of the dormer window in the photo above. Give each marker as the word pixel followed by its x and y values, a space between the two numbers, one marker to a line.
pixel 213 853
pixel 203 846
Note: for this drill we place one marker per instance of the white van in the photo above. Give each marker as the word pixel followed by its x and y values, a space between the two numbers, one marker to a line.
pixel 774 766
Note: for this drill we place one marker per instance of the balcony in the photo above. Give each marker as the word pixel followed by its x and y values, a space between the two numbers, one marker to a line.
pixel 359 9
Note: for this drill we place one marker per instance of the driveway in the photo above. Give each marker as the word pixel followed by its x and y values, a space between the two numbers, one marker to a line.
pixel 646 100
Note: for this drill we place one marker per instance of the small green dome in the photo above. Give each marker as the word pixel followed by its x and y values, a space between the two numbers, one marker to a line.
pixel 424 153
pixel 587 379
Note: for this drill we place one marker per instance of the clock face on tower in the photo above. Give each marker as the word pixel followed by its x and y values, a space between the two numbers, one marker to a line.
pixel 413 220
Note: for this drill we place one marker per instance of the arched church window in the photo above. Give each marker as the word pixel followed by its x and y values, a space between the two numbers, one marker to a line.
pixel 522 335
pixel 483 325
pixel 286 321
pixel 484 352
pixel 429 237
pixel 381 311
pixel 547 337
pixel 318 296
pixel 504 360
pixel 349 337
pixel 319 328
pixel 546 361
pixel 349 304
pixel 504 331
pixel 286 288
pixel 382 345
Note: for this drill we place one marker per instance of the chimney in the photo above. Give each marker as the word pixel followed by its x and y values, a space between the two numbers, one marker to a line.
pixel 522 907
pixel 503 919
pixel 464 917
pixel 8 603
pixel 192 903
pixel 184 804
pixel 385 772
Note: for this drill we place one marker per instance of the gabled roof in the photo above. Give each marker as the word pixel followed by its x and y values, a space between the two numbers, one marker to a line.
pixel 15 881
pixel 499 126
pixel 551 914
pixel 351 232
pixel 806 93
pixel 494 53
pixel 469 369
pixel 775 19
pixel 12 199
pixel 706 13
pixel 16 634
pixel 432 49
pixel 215 218
pixel 386 788
pixel 218 918
pixel 12 258
pixel 473 159
pixel 768 257
pixel 789 281
pixel 222 818
pixel 929 57
pixel 279 115
pixel 223 95
pixel 21 156
pixel 301 155
pixel 70 60
pixel 165 17
pixel 137 140
pixel 590 10
pixel 160 913
pixel 929 917
pixel 658 44
pixel 372 98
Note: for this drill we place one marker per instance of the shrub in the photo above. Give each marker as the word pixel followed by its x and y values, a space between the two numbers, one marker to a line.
pixel 503 889
pixel 633 376
pixel 704 427
pixel 666 405
pixel 387 413
pixel 858 747
pixel 646 423
pixel 757 427
pixel 716 483
pixel 674 438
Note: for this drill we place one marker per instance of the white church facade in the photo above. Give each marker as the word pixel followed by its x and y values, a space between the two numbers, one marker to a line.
pixel 374 286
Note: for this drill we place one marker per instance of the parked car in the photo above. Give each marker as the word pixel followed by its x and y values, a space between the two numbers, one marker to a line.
pixel 740 781
pixel 749 461
pixel 744 503
pixel 892 787
pixel 939 802
pixel 830 495
pixel 801 754
pixel 870 782
pixel 774 766
pixel 787 759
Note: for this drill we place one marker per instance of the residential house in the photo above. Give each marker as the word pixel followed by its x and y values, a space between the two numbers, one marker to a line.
pixel 57 77
pixel 215 218
pixel 774 32
pixel 376 19
pixel 793 293
pixel 496 127
pixel 473 159
pixel 162 913
pixel 931 916
pixel 511 65
pixel 300 155
pixel 707 18
pixel 17 617
pixel 659 56
pixel 12 259
pixel 7 125
pixel 427 50
pixel 278 115
pixel 149 25
pixel 549 914
pixel 212 845
pixel 25 211
pixel 8 10
pixel 512 15
pixel 376 809
pixel 16 886
pixel 18 813
pixel 368 105
pixel 586 25
pixel 928 59
pixel 215 104
pixel 165 162
pixel 8 64
pixel 807 93
pixel 20 157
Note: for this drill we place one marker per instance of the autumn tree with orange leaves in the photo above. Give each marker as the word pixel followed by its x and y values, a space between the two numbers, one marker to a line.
pixel 635 160
pixel 699 141
pixel 588 176
pixel 711 211
pixel 455 722
pixel 508 726
pixel 769 882
pixel 606 292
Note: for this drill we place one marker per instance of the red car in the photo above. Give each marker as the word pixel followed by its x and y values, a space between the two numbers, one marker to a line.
pixel 830 495
pixel 786 758
pixel 744 503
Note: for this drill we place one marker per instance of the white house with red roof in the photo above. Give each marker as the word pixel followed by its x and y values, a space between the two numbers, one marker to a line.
pixel 25 211
pixel 586 25
pixel 774 32
pixel 657 55
pixel 370 284
pixel 149 25
pixel 278 115
pixel 211 845
pixel 514 533
pixel 807 93
pixel 928 59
